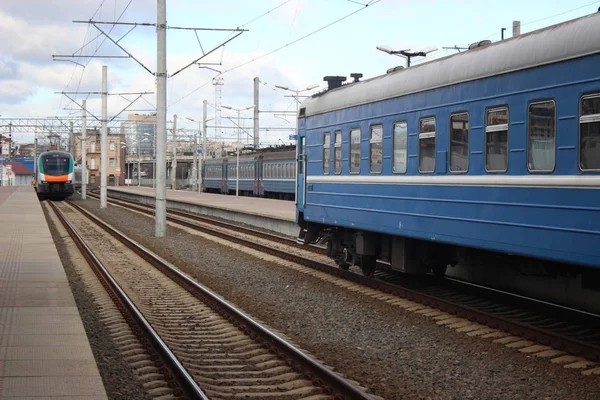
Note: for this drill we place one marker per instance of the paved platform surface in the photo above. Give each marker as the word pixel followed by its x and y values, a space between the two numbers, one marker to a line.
pixel 44 350
pixel 278 209
pixel 278 216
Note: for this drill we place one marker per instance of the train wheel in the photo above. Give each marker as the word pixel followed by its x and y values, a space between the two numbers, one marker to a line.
pixel 343 265
pixel 439 269
pixel 368 265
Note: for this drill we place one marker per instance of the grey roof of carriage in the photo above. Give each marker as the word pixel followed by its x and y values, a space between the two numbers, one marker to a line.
pixel 571 39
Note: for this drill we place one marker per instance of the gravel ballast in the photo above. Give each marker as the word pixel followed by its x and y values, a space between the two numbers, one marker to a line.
pixel 395 353
pixel 117 377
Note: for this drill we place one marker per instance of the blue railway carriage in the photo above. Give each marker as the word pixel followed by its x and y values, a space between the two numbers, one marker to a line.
pixel 55 175
pixel 248 183
pixel 495 148
pixel 214 175
pixel 277 175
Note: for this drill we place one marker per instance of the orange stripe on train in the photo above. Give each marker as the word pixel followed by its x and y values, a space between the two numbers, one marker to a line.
pixel 60 178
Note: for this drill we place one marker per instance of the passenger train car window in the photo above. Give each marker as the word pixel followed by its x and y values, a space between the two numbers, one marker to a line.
pixel 355 151
pixel 589 133
pixel 541 143
pixel 459 143
pixel 56 165
pixel 337 152
pixel 496 140
pixel 400 147
pixel 326 152
pixel 427 145
pixel 376 156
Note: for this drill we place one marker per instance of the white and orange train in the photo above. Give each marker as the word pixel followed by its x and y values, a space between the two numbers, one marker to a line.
pixel 55 175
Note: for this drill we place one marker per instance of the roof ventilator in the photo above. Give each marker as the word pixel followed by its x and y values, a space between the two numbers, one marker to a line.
pixel 356 76
pixel 334 82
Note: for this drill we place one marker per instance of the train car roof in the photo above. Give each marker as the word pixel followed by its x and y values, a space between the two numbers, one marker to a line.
pixel 269 155
pixel 60 152
pixel 571 39
pixel 279 155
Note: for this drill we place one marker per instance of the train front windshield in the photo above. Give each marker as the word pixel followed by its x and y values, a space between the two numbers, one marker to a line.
pixel 56 166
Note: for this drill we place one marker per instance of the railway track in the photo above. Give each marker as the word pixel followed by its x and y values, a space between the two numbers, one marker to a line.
pixel 217 223
pixel 574 331
pixel 212 350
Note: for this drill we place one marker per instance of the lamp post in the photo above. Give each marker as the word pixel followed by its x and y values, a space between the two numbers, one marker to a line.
pixel 297 97
pixel 123 146
pixel 139 156
pixel 406 53
pixel 238 145
pixel 197 172
pixel 139 171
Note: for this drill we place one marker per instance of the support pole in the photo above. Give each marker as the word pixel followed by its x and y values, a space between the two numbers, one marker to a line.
pixel 256 127
pixel 71 138
pixel 204 149
pixel 174 162
pixel 194 161
pixel 103 142
pixel 35 157
pixel 237 158
pixel 160 228
pixel 138 160
pixel 10 156
pixel 83 150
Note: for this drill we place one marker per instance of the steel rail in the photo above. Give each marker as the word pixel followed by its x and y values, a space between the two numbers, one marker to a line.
pixel 147 209
pixel 529 331
pixel 187 384
pixel 331 382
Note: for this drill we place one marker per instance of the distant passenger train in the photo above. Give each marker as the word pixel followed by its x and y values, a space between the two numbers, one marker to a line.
pixel 55 175
pixel 269 174
pixel 495 148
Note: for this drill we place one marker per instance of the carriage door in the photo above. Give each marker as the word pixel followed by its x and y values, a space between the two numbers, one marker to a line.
pixel 301 173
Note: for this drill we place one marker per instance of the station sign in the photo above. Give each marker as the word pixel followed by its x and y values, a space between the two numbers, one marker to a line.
pixel 293 137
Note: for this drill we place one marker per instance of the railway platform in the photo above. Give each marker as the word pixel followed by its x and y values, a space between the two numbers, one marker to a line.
pixel 274 215
pixel 44 350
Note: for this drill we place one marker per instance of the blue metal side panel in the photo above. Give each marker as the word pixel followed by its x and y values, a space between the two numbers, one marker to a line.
pixel 246 184
pixel 212 183
pixel 278 185
pixel 560 224
pixel 553 223
pixel 564 82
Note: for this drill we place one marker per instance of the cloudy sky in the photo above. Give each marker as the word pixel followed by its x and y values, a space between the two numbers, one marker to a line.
pixel 294 43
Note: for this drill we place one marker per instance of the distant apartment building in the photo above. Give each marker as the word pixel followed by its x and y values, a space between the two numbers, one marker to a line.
pixel 115 155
